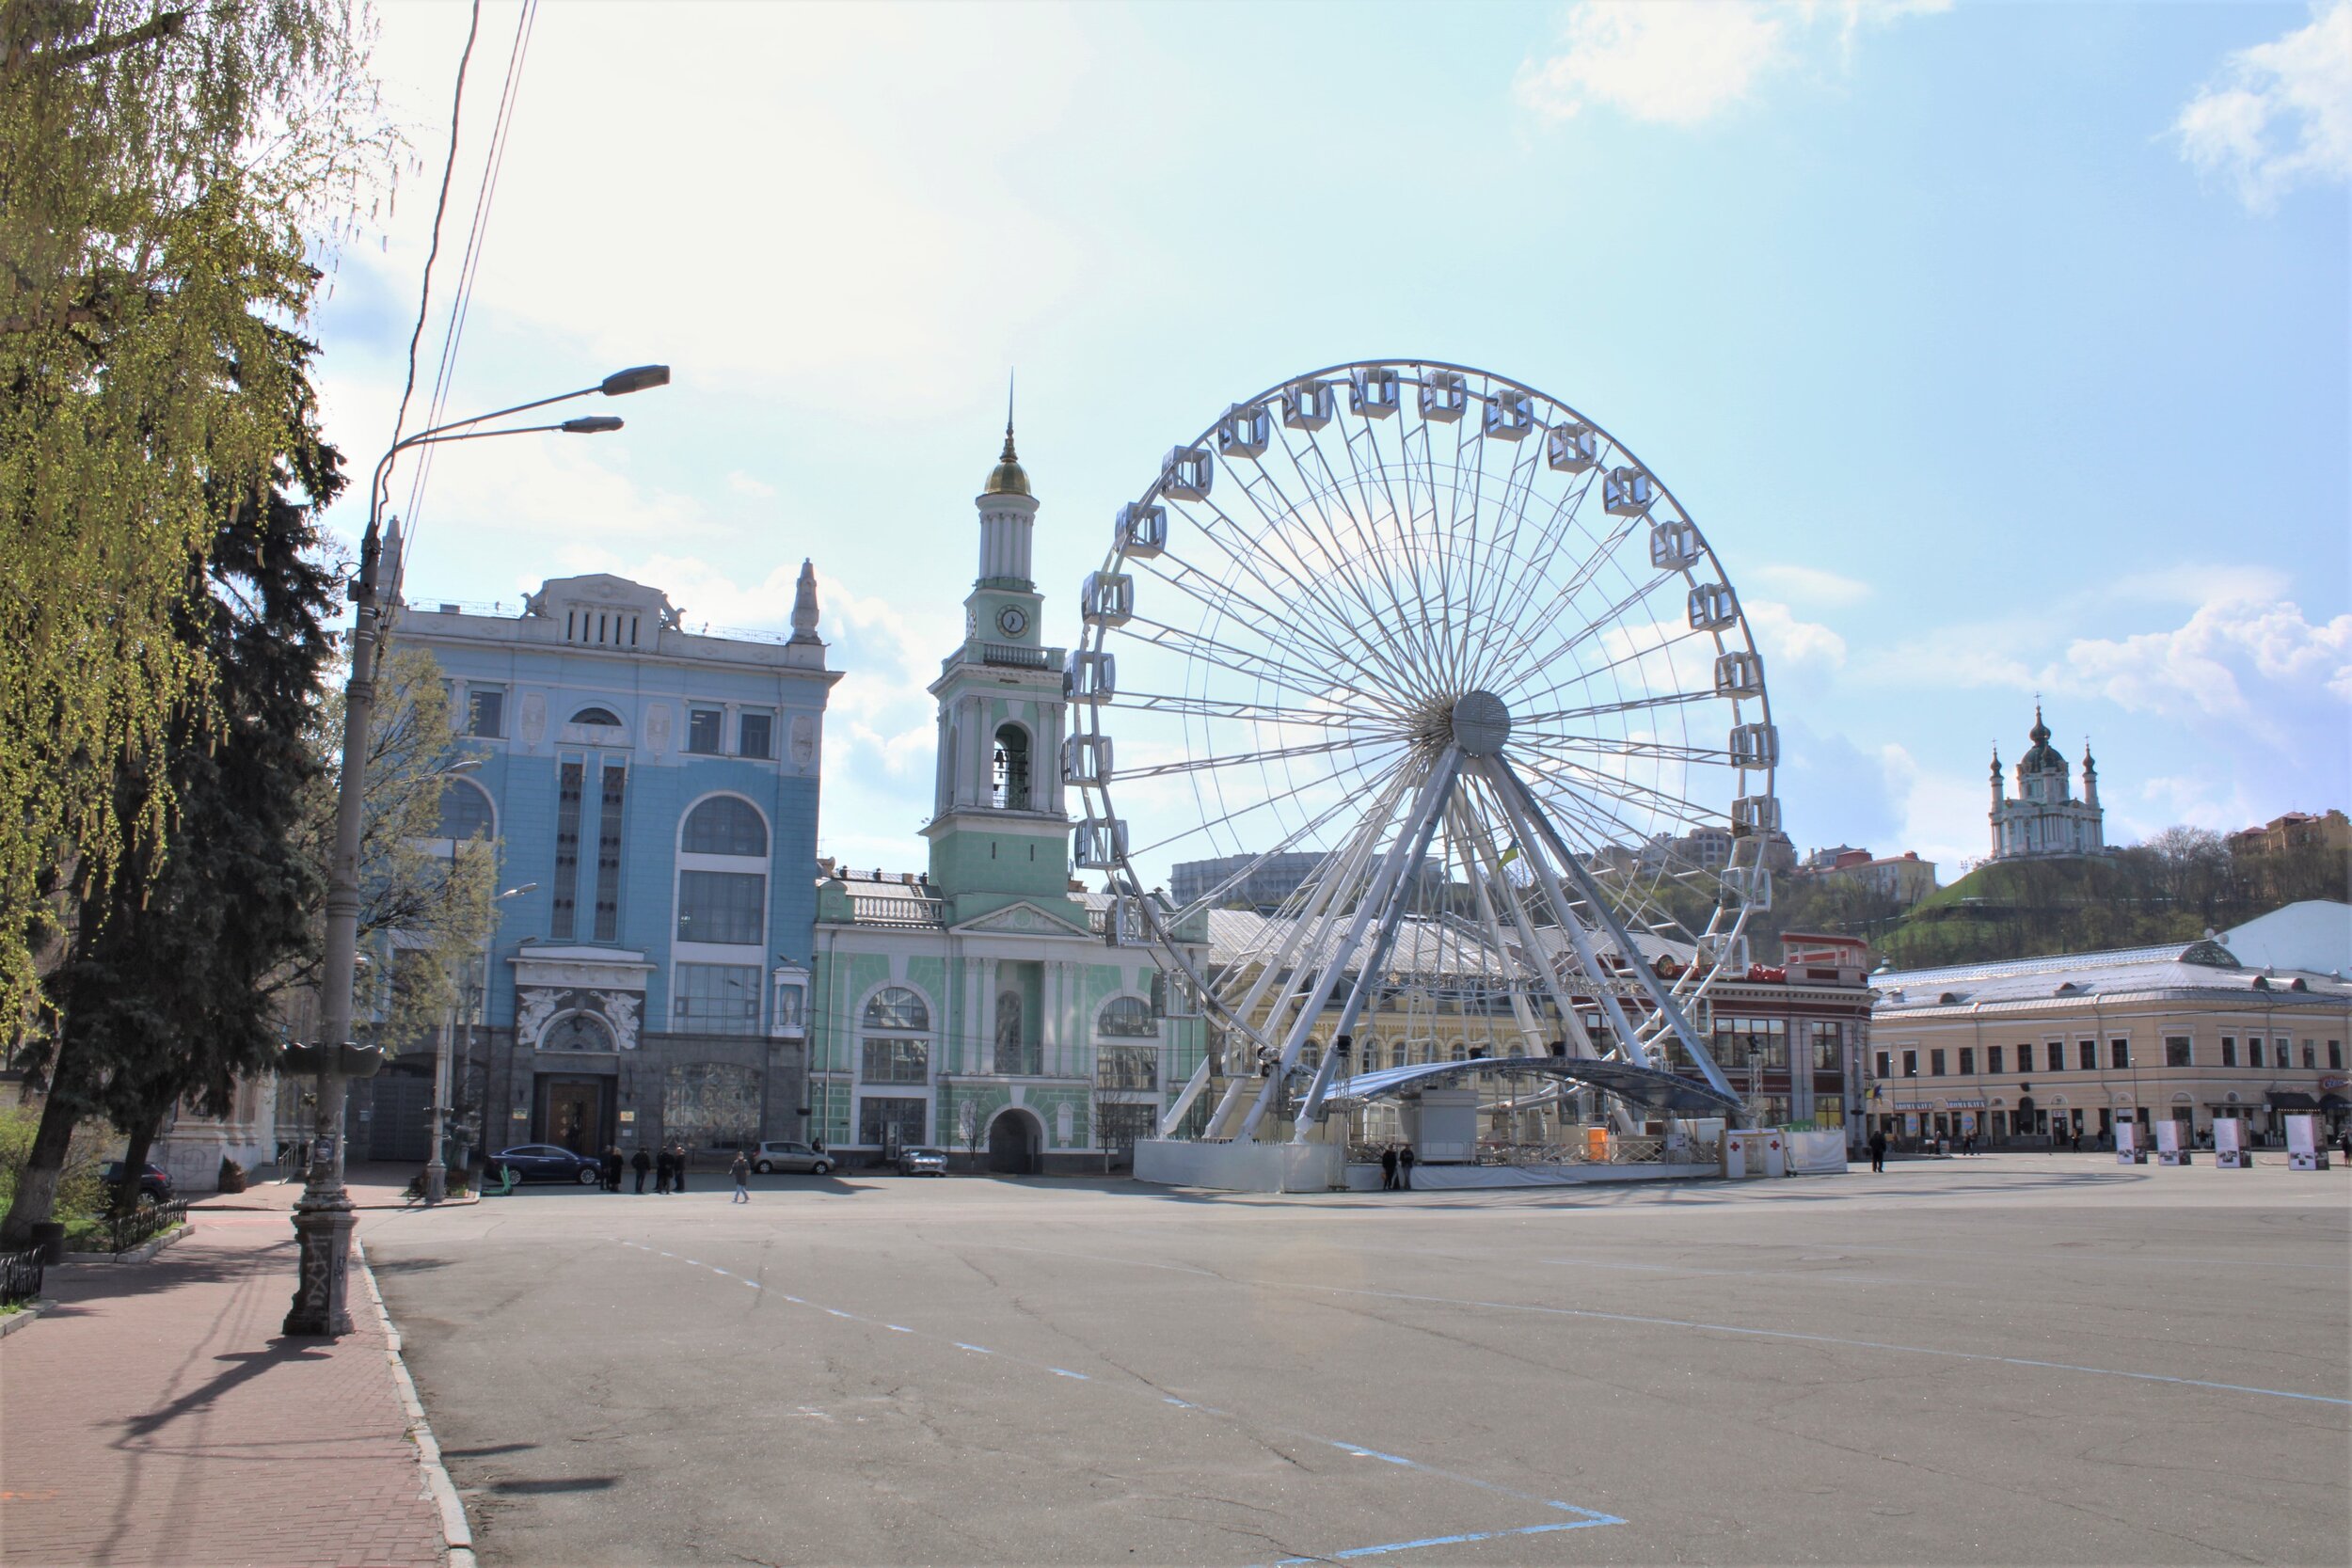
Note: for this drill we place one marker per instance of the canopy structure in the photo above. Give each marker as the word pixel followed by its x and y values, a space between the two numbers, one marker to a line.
pixel 1647 1089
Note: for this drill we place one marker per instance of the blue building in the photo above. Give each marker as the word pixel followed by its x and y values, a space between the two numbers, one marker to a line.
pixel 660 789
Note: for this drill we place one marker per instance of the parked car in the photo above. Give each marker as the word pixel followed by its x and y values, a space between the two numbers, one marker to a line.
pixel 549 1162
pixel 922 1161
pixel 794 1157
pixel 154 1185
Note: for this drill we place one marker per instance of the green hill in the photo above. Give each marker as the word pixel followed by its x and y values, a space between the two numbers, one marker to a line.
pixel 2171 889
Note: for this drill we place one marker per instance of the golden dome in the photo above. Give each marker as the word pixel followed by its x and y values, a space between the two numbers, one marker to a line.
pixel 1007 478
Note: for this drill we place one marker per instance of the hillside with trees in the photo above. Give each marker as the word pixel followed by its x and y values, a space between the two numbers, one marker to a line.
pixel 2173 888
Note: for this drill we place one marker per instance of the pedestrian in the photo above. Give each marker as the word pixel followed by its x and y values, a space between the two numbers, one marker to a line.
pixel 663 1168
pixel 613 1167
pixel 741 1171
pixel 1388 1168
pixel 1404 1168
pixel 642 1163
pixel 2343 1141
pixel 678 1167
pixel 2078 1140
pixel 1878 1149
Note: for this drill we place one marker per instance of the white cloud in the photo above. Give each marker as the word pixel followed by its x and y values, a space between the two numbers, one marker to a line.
pixel 1682 62
pixel 1789 643
pixel 780 226
pixel 2204 668
pixel 1814 585
pixel 744 484
pixel 2277 115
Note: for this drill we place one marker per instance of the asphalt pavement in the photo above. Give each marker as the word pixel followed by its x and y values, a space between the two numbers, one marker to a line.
pixel 2006 1359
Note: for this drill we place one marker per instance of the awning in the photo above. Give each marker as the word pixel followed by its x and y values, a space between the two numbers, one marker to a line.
pixel 2333 1102
pixel 1665 1092
pixel 2287 1099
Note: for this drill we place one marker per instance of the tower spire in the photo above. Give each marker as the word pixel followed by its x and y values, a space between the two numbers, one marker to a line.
pixel 1007 478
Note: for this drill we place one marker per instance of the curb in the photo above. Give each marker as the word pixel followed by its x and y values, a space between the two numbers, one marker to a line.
pixel 25 1314
pixel 457 1534
pixel 140 1254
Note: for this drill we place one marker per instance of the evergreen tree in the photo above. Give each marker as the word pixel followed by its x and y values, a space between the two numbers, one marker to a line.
pixel 166 992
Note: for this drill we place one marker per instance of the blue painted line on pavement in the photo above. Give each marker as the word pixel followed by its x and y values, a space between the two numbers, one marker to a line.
pixel 1452 1540
pixel 1711 1328
pixel 1586 1517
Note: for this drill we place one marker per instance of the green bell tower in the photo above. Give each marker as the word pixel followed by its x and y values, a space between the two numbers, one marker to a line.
pixel 999 832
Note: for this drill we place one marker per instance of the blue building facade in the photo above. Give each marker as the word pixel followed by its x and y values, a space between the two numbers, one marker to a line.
pixel 656 791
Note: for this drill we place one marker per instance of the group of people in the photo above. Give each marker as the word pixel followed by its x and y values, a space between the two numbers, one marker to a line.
pixel 666 1165
pixel 1396 1168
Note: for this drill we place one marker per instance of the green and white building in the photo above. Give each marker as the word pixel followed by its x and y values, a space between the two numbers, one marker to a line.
pixel 978 1006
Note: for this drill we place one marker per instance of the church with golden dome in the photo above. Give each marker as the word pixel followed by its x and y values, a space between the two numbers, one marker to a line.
pixel 2045 819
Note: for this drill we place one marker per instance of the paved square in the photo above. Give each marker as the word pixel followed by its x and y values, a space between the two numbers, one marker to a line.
pixel 2021 1358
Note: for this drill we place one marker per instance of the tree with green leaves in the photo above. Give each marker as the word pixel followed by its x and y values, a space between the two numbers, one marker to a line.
pixel 164 992
pixel 168 176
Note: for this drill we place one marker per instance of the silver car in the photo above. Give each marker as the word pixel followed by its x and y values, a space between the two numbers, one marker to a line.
pixel 922 1161
pixel 794 1157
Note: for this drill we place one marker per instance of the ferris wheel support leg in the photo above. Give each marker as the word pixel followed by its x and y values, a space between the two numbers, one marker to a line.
pixel 1193 1085
pixel 1368 974
pixel 1431 800
pixel 1659 996
pixel 1541 849
pixel 1620 1115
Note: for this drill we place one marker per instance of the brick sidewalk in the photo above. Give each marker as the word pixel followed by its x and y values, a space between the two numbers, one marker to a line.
pixel 155 1417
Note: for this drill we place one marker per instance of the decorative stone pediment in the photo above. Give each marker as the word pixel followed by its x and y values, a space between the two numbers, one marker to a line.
pixel 1018 920
pixel 572 1019
pixel 578 999
pixel 596 968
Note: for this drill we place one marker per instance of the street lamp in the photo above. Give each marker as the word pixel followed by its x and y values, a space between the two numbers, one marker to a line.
pixel 323 1218
pixel 436 1168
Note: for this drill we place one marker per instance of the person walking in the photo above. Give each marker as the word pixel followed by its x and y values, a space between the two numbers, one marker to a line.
pixel 741 1171
pixel 642 1163
pixel 678 1167
pixel 1878 1149
pixel 664 1167
pixel 613 1163
pixel 1404 1168
pixel 1388 1168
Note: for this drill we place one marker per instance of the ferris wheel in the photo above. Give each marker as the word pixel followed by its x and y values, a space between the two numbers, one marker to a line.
pixel 1461 711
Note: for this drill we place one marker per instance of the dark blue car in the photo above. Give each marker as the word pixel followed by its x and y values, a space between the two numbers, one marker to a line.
pixel 547 1162
pixel 154 1186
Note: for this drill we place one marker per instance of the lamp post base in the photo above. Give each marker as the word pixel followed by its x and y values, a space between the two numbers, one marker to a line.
pixel 323 1237
pixel 436 1182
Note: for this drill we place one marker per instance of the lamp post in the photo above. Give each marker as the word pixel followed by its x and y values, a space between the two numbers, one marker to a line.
pixel 322 1217
pixel 436 1167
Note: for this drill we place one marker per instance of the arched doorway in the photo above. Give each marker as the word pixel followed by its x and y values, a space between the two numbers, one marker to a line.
pixel 1013 1138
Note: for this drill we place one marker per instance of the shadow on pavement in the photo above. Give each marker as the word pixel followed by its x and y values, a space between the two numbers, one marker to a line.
pixel 247 1365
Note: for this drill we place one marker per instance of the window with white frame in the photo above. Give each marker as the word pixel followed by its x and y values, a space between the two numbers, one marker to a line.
pixel 716 999
pixel 725 907
pixel 1127 1016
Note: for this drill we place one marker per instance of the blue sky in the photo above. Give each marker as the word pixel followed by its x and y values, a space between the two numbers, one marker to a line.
pixel 1998 349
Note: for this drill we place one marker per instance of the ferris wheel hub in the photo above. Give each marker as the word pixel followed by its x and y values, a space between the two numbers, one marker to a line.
pixel 1480 724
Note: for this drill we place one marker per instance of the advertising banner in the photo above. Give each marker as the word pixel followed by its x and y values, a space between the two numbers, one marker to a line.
pixel 2303 1150
pixel 2128 1148
pixel 2229 1144
pixel 2168 1144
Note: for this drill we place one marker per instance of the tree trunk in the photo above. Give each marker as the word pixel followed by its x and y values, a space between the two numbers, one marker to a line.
pixel 37 1184
pixel 142 1139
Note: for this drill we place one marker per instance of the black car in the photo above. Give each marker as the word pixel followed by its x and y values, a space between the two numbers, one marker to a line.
pixel 549 1162
pixel 154 1186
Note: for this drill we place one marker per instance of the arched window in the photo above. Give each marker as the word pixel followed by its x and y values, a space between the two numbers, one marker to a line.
pixel 465 811
pixel 1127 1016
pixel 603 716
pixel 897 1007
pixel 1012 768
pixel 726 825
